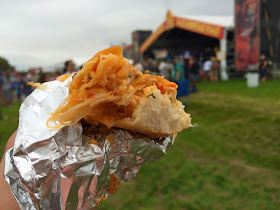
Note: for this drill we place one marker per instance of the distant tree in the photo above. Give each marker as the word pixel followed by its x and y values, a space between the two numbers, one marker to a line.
pixel 4 64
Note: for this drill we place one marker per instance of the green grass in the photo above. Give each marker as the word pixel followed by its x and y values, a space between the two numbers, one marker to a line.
pixel 229 160
pixel 8 124
pixel 268 90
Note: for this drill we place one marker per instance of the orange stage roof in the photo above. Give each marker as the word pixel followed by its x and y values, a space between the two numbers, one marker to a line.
pixel 207 29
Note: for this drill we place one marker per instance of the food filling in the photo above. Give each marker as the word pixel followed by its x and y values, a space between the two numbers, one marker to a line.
pixel 106 89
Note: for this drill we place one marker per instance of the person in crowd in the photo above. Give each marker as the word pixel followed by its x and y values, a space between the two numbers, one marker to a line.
pixel 13 85
pixel 30 75
pixel 200 62
pixel 206 69
pixel 69 67
pixel 1 90
pixel 151 65
pixel 194 75
pixel 26 88
pixel 165 69
pixel 42 77
pixel 138 66
pixel 49 77
pixel 145 64
pixel 154 66
pixel 18 88
pixel 179 72
pixel 187 67
pixel 37 75
pixel 214 72
pixel 7 89
pixel 56 75
pixel 263 68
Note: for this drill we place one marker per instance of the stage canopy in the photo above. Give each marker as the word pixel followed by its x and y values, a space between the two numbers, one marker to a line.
pixel 201 29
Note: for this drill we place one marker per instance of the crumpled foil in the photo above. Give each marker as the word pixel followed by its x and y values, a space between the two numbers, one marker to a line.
pixel 67 168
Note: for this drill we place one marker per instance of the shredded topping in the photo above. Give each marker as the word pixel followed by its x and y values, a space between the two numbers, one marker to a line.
pixel 38 85
pixel 106 89
pixel 63 77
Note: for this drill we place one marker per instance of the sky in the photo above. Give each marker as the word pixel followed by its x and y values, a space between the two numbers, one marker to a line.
pixel 48 32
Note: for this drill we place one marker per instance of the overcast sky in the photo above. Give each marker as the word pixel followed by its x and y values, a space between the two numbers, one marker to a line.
pixel 47 32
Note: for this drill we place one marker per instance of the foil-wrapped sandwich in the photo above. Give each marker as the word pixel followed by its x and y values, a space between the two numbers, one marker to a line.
pixel 80 135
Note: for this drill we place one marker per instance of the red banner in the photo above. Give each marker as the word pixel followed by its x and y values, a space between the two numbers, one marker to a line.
pixel 247 37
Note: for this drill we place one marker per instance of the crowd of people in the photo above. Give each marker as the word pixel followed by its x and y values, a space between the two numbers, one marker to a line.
pixel 180 69
pixel 14 85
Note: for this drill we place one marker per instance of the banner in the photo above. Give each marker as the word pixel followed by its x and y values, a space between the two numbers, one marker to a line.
pixel 160 54
pixel 205 29
pixel 247 38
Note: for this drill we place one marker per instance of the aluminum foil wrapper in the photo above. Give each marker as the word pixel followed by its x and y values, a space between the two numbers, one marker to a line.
pixel 74 167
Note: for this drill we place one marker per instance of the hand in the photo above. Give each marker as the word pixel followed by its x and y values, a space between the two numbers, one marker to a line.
pixel 7 200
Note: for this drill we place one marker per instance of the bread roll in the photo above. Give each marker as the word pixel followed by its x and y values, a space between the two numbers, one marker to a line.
pixel 156 116
pixel 110 91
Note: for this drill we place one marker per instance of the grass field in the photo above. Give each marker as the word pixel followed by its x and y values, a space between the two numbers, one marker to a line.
pixel 229 160
pixel 8 124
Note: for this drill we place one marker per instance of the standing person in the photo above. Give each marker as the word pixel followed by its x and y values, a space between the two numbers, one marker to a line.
pixel 165 69
pixel 263 68
pixel 180 78
pixel 187 67
pixel 31 74
pixel 194 74
pixel 18 87
pixel 179 70
pixel 206 69
pixel 13 85
pixel 37 74
pixel 69 67
pixel 1 90
pixel 153 66
pixel 43 78
pixel 7 87
pixel 26 89
pixel 214 73
pixel 200 63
